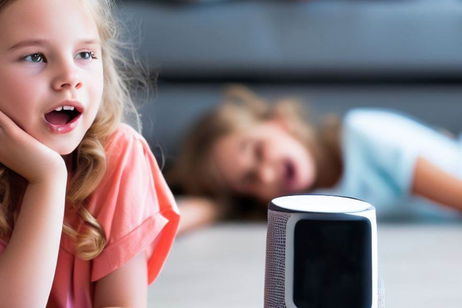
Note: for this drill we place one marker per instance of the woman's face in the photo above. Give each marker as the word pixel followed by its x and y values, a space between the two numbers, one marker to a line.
pixel 264 161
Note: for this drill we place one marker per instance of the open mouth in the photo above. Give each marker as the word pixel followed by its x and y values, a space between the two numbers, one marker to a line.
pixel 289 173
pixel 62 115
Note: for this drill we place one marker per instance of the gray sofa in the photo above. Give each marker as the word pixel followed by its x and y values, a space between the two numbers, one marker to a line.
pixel 335 55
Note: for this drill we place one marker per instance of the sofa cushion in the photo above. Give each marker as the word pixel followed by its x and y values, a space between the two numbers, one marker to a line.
pixel 298 39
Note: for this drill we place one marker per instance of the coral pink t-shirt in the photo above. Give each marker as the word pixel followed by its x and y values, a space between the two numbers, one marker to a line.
pixel 137 211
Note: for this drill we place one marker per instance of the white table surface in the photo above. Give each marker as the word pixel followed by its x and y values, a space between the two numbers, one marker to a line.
pixel 223 266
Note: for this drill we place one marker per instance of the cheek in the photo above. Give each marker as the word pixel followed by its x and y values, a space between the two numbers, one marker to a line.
pixel 99 84
pixel 18 95
pixel 95 89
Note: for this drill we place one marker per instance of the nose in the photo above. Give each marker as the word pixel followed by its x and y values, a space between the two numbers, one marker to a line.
pixel 66 77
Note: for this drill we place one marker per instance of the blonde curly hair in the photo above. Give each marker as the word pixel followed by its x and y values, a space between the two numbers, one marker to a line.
pixel 89 159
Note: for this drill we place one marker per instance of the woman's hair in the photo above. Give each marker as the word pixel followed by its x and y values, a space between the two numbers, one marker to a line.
pixel 89 159
pixel 194 172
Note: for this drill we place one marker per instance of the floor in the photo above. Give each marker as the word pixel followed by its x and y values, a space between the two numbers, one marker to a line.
pixel 223 266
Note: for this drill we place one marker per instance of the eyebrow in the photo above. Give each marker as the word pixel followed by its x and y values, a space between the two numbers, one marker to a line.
pixel 27 43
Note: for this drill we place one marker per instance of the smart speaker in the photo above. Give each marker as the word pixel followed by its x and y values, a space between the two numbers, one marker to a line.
pixel 321 252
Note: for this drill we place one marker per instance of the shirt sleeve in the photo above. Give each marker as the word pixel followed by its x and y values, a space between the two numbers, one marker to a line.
pixel 386 142
pixel 134 206
pixel 391 142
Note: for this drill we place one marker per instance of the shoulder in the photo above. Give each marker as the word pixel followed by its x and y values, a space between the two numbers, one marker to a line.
pixel 386 123
pixel 375 117
pixel 125 141
pixel 124 135
pixel 132 187
pixel 130 163
pixel 133 205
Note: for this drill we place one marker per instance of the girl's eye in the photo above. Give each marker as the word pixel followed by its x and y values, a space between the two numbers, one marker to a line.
pixel 86 55
pixel 35 58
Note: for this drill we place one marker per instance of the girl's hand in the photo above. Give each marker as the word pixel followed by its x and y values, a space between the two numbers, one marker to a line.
pixel 25 155
pixel 197 212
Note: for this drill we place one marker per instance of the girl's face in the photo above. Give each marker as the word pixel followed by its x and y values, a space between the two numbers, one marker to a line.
pixel 51 73
pixel 264 161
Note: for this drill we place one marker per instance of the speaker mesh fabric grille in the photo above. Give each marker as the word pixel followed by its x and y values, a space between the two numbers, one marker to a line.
pixel 275 260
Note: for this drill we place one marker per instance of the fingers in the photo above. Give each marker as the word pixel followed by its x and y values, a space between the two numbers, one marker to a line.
pixel 5 121
pixel 26 155
pixel 2 119
pixel 9 126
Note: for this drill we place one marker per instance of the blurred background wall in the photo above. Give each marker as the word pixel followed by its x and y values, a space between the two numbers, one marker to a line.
pixel 333 54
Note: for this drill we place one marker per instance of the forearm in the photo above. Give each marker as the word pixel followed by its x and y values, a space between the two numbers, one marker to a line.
pixel 196 212
pixel 28 264
pixel 433 183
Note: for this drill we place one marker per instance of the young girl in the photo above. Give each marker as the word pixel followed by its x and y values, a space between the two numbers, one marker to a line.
pixel 248 148
pixel 86 219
